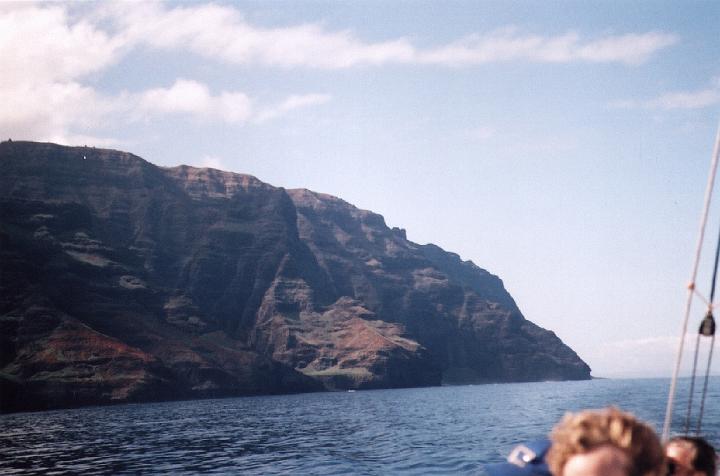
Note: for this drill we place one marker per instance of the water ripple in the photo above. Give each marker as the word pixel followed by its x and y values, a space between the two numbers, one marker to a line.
pixel 446 430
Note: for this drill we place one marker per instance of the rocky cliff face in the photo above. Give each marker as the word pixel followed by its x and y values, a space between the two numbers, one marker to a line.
pixel 123 281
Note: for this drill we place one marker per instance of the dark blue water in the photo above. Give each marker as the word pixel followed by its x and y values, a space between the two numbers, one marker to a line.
pixel 444 430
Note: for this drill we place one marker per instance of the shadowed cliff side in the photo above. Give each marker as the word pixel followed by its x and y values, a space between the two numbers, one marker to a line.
pixel 123 281
pixel 469 326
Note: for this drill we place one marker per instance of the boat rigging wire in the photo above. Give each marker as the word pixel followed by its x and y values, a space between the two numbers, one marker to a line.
pixel 707 328
pixel 692 386
pixel 691 287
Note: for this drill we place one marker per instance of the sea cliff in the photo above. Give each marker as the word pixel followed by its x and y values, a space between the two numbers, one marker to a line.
pixel 123 281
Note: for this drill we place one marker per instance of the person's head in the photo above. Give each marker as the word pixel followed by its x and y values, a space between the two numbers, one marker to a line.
pixel 690 456
pixel 605 442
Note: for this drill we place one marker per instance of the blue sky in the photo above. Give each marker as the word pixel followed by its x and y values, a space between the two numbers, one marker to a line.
pixel 561 145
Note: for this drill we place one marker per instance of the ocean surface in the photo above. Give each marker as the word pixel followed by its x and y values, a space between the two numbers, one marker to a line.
pixel 442 430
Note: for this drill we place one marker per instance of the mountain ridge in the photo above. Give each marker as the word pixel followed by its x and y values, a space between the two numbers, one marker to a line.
pixel 149 283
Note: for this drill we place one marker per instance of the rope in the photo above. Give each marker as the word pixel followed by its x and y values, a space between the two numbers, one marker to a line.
pixel 708 316
pixel 692 387
pixel 691 287
pixel 704 394
pixel 703 299
pixel 714 276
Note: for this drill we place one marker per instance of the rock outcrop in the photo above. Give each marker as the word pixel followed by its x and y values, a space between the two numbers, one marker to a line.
pixel 123 281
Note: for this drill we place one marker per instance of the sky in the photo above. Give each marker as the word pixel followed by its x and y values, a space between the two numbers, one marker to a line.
pixel 563 146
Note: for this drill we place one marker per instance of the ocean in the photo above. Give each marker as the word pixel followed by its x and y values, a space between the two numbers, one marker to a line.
pixel 440 430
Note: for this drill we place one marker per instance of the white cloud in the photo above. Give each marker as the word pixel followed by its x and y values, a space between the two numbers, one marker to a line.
pixel 42 45
pixel 83 139
pixel 290 104
pixel 212 162
pixel 194 98
pixel 69 112
pixel 51 111
pixel 652 356
pixel 51 53
pixel 699 99
pixel 221 33
pixel 47 54
pixel 632 48
pixel 686 100
pixel 662 344
pixel 43 56
pixel 510 45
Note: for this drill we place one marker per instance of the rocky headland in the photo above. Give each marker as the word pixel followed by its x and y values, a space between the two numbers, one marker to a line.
pixel 122 281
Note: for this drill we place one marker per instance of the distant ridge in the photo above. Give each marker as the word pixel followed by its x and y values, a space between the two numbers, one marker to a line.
pixel 123 281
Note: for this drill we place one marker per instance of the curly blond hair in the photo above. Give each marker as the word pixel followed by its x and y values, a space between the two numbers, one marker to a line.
pixel 582 432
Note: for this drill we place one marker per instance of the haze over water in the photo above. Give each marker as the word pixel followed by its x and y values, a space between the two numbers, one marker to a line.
pixel 440 430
